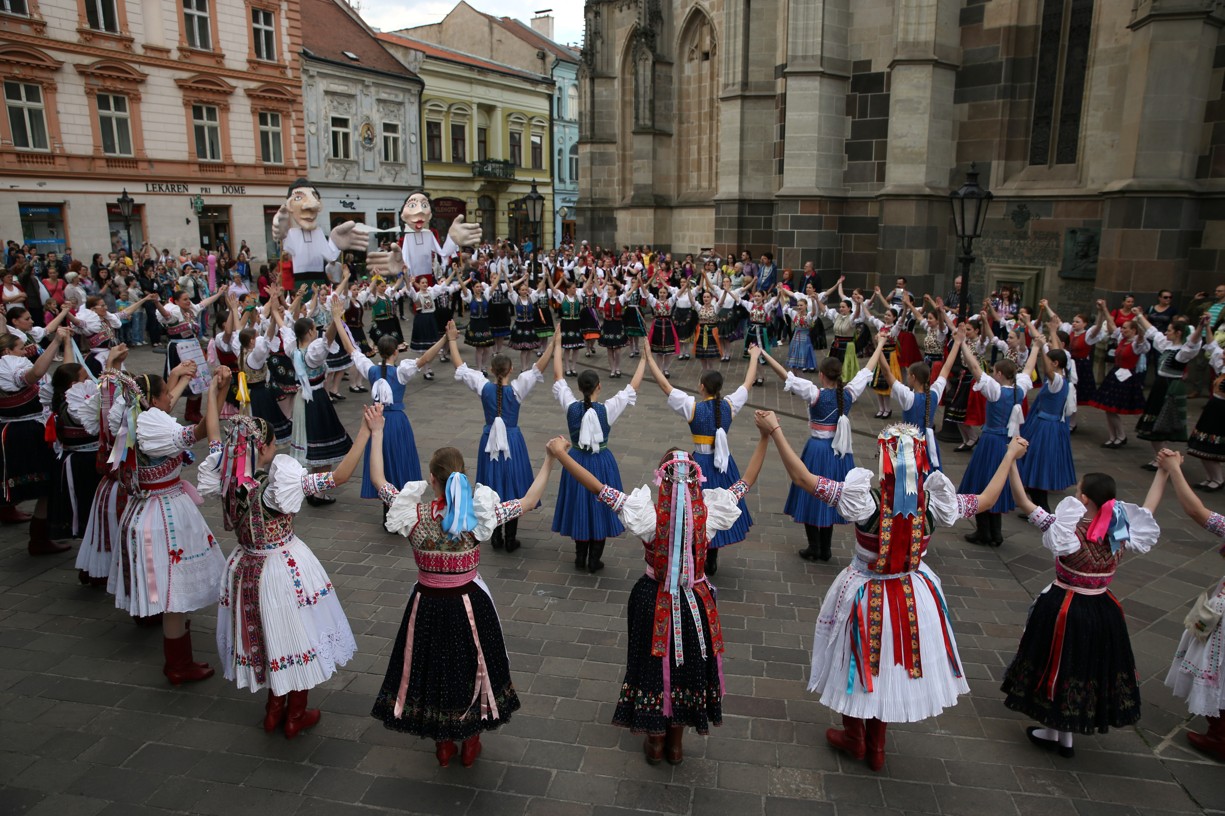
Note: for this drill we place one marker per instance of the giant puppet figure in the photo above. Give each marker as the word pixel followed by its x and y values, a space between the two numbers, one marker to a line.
pixel 417 245
pixel 297 229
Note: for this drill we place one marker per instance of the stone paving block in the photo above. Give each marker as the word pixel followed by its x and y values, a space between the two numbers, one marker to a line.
pixel 292 777
pixel 116 784
pixel 643 795
pixel 957 801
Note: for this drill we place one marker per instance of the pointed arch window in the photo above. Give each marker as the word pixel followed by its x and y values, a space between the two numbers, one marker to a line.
pixel 1066 29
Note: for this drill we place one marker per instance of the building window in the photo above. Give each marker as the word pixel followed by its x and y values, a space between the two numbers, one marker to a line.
pixel 391 142
pixel 573 164
pixel 561 175
pixel 115 125
pixel 433 141
pixel 1059 87
pixel 270 151
pixel 516 148
pixel 27 118
pixel 102 15
pixel 206 122
pixel 572 103
pixel 459 143
pixel 537 151
pixel 15 7
pixel 482 144
pixel 196 24
pixel 342 138
pixel 263 32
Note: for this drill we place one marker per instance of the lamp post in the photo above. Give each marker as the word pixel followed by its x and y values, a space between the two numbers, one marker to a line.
pixel 126 202
pixel 534 202
pixel 970 204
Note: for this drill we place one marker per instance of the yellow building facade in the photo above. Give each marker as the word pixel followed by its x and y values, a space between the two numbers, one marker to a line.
pixel 486 136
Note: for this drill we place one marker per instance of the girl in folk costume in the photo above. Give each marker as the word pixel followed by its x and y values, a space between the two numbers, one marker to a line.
pixel 279 622
pixel 20 323
pixel 545 325
pixel 934 324
pixel 801 311
pixel 448 678
pixel 890 359
pixel 319 439
pixel 339 361
pixel 355 315
pixel 1074 671
pixel 181 320
pixel 387 386
pixel 570 307
pixel 828 449
pixel 219 351
pixel 706 342
pixel 1197 673
pixel 758 334
pixel 384 320
pixel 170 564
pixel 710 419
pixel 28 460
pixel 919 396
pixel 1046 428
pixel 674 660
pixel 578 514
pixel 1207 439
pixel 523 335
pixel 252 350
pixel 612 327
pixel 501 312
pixel 963 406
pixel 426 330
pixel 99 327
pixel 1165 414
pixel 98 558
pixel 685 317
pixel 477 334
pixel 1003 391
pixel 883 650
pixel 1082 337
pixel 729 315
pixel 590 316
pixel 843 347
pixel 75 440
pixel 502 461
pixel 635 323
pixel 1121 391
pixel 664 340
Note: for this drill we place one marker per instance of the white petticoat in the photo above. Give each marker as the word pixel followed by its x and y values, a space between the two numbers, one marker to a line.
pixel 168 532
pixel 100 547
pixel 1196 673
pixel 896 696
pixel 306 633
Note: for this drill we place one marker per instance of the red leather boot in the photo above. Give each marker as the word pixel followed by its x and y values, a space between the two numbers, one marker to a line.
pixel 274 711
pixel 297 716
pixel 40 539
pixel 180 668
pixel 1213 742
pixel 192 414
pixel 876 744
pixel 444 751
pixel 850 738
pixel 470 750
pixel 653 748
pixel 674 750
pixel 9 514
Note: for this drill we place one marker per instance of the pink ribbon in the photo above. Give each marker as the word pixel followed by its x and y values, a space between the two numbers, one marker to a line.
pixel 150 571
pixel 1101 522
pixel 408 658
pixel 445 580
pixel 483 689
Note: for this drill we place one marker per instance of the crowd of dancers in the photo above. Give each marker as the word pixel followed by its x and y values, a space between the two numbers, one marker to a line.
pixel 100 453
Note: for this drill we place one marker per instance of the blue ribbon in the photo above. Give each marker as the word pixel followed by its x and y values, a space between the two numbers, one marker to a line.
pixel 905 498
pixel 460 517
pixel 1119 531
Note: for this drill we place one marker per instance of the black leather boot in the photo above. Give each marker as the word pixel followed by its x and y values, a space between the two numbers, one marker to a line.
pixel 594 553
pixel 581 549
pixel 813 551
pixel 826 543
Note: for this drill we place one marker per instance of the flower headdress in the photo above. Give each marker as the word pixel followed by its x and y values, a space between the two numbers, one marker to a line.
pixel 903 465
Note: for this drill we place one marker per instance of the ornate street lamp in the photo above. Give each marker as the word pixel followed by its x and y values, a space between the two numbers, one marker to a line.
pixel 126 202
pixel 534 204
pixel 970 205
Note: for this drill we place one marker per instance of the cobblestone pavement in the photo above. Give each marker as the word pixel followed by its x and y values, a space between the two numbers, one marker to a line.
pixel 90 726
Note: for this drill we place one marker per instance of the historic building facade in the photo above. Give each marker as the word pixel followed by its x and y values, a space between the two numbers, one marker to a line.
pixel 529 48
pixel 486 131
pixel 192 107
pixel 832 131
pixel 363 117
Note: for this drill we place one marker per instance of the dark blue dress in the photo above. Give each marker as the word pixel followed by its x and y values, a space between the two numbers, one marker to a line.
pixel 821 459
pixel 508 477
pixel 1049 465
pixel 991 447
pixel 702 426
pixel 922 414
pixel 580 514
pixel 401 464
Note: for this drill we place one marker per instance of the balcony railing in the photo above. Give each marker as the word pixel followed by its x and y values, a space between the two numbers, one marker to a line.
pixel 494 169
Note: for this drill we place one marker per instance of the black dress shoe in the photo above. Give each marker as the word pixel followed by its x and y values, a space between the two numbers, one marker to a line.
pixel 1050 745
pixel 809 554
pixel 320 501
pixel 512 544
pixel 1150 467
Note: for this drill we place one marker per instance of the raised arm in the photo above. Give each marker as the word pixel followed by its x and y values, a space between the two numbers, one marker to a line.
pixel 639 372
pixel 1018 490
pixel 947 368
pixel 660 379
pixel 759 458
pixel 750 376
pixel 1016 449
pixel 776 365
pixel 429 354
pixel 453 344
pixel 535 491
pixel 43 364
pixel 767 424
pixel 344 471
pixel 559 449
pixel 559 371
pixel 1171 466
pixel 373 418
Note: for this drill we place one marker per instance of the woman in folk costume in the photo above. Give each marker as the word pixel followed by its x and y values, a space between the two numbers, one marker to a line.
pixel 99 327
pixel 664 340
pixel 685 317
pixel 252 349
pixel 883 651
pixel 98 558
pixel 612 326
pixel 801 311
pixel 75 441
pixel 1046 427
pixel 319 439
pixel 501 312
pixel 181 320
pixel 219 351
pixel 1197 674
pixel 384 322
pixel 448 678
pixel 20 323
pixel 1082 337
pixel 1121 391
pixel 570 307
pixel 828 449
pixel 1074 671
pixel 1207 439
pixel 28 460
pixel 1165 414
pixel 1004 391
pixel 889 328
pixel 707 344
pixel 426 330
pixel 339 361
pixel 578 514
pixel 919 396
pixel 523 334
pixel 635 324
pixel 674 659
pixel 758 334
pixel 171 564
pixel 279 622
pixel 478 334
pixel 502 461
pixel 387 386
pixel 709 417
pixel 844 319
pixel 589 319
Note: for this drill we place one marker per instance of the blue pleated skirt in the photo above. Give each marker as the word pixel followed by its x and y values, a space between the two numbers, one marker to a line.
pixel 400 462
pixel 740 530
pixel 799 354
pixel 509 478
pixel 579 514
pixel 1048 465
pixel 820 459
pixel 984 461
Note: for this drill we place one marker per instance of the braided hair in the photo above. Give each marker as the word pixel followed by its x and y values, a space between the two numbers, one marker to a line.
pixel 831 369
pixel 588 382
pixel 712 383
pixel 922 372
pixel 499 366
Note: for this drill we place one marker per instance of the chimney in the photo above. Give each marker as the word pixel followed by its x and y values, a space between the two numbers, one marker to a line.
pixel 542 23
